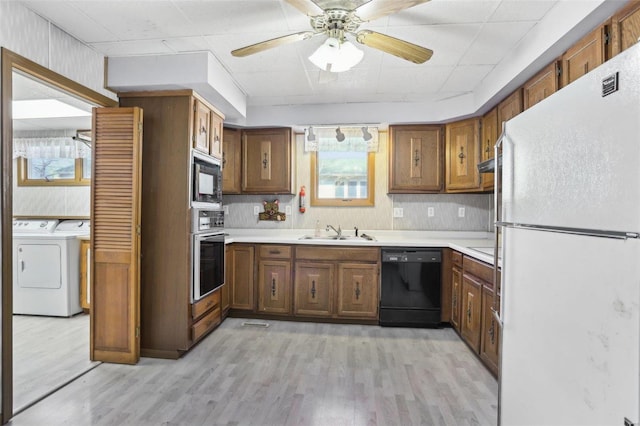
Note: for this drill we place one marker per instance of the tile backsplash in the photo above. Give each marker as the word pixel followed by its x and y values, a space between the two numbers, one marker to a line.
pixel 477 207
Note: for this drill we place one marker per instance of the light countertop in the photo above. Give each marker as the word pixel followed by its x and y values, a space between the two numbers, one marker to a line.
pixel 476 244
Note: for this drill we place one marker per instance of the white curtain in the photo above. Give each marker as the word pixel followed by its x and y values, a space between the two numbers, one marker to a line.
pixel 55 147
pixel 338 138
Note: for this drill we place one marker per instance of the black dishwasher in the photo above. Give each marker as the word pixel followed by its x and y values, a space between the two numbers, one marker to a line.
pixel 410 287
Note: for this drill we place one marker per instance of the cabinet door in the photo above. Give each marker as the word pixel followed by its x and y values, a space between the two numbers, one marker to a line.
pixel 201 127
pixel 541 86
pixel 456 297
pixel 266 161
pixel 357 290
pixel 274 286
pixel 231 152
pixel 509 107
pixel 313 289
pixel 583 56
pixel 490 332
pixel 415 159
pixel 471 311
pixel 462 153
pixel 216 135
pixel 625 27
pixel 240 266
pixel 489 138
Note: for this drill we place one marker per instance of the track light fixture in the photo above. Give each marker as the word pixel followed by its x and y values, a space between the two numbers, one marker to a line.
pixel 365 134
pixel 339 135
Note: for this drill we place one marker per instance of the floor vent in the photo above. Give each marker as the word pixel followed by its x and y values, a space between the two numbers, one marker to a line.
pixel 255 324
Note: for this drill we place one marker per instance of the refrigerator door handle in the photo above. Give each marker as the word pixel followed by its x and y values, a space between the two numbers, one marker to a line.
pixel 620 235
pixel 497 214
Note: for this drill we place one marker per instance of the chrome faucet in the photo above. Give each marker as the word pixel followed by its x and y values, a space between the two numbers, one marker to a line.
pixel 338 231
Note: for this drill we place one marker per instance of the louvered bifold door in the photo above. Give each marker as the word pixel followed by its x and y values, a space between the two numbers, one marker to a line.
pixel 115 234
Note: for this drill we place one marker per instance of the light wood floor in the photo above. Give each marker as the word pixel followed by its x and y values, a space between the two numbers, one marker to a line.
pixel 287 374
pixel 47 353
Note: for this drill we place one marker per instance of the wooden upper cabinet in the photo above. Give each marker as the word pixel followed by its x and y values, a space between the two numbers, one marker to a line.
pixel 231 164
pixel 462 155
pixel 116 187
pixel 217 134
pixel 625 27
pixel 415 159
pixel 509 108
pixel 489 137
pixel 201 126
pixel 266 161
pixel 542 85
pixel 585 55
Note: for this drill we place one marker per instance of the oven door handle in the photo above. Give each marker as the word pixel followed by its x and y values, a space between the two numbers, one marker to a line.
pixel 219 237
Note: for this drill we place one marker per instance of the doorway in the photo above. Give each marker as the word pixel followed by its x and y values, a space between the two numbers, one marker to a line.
pixel 15 68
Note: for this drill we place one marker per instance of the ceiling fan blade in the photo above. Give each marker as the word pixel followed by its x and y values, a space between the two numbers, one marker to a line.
pixel 394 46
pixel 378 8
pixel 307 7
pixel 274 42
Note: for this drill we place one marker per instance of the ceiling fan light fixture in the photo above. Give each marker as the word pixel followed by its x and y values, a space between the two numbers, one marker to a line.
pixel 336 56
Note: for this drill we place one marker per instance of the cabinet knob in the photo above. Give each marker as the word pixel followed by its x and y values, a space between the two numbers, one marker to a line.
pixel 357 290
pixel 461 156
pixel 273 287
pixel 416 158
pixel 265 161
pixel 313 289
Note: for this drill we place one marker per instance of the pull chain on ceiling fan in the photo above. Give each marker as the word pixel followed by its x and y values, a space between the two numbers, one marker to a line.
pixel 338 19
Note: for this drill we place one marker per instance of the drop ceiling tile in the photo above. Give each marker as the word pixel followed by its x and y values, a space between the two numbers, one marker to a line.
pixel 495 41
pixel 132 48
pixel 466 78
pixel 438 12
pixel 448 42
pixel 223 17
pixel 75 22
pixel 139 20
pixel 521 10
pixel 413 79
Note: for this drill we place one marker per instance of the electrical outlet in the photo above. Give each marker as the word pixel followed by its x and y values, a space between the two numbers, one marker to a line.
pixel 256 210
pixel 398 212
pixel 287 210
pixel 225 209
pixel 431 212
pixel 460 211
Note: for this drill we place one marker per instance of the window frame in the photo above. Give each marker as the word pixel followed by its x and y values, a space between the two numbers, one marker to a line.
pixel 24 180
pixel 344 202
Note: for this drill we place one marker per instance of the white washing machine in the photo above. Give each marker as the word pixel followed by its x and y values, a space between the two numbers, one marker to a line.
pixel 46 266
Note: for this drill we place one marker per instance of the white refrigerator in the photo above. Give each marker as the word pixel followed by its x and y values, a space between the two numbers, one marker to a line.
pixel 569 223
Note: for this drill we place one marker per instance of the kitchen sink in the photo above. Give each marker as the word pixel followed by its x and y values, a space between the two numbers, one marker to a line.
pixel 346 238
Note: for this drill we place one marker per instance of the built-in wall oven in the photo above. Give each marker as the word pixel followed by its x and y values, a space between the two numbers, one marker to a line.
pixel 208 252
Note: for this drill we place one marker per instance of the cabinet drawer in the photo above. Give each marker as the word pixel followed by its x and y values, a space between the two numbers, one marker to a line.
pixel 456 258
pixel 338 253
pixel 275 252
pixel 207 323
pixel 479 269
pixel 203 305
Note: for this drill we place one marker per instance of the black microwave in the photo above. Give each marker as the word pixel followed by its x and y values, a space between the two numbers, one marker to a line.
pixel 207 183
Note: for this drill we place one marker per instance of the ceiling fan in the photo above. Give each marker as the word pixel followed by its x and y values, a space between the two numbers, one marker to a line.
pixel 339 18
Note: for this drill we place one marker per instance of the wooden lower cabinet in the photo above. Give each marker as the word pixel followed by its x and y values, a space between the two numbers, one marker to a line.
pixel 470 323
pixel 313 289
pixel 490 341
pixel 357 290
pixel 456 296
pixel 274 286
pixel 240 273
pixel 205 314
